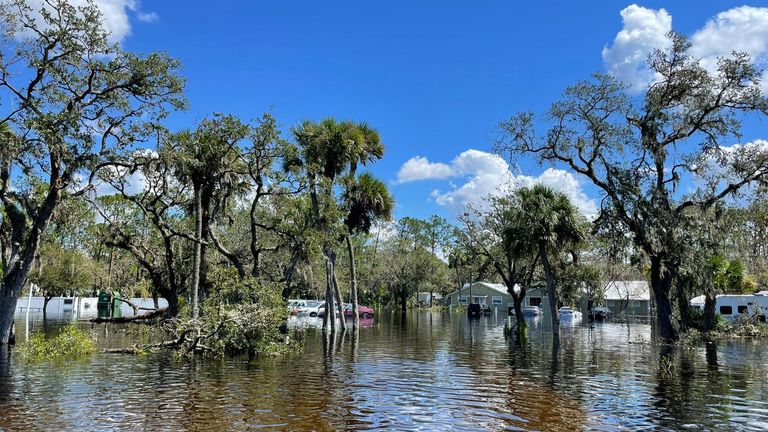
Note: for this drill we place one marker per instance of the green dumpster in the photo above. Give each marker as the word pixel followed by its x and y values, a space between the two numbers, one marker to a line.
pixel 109 306
pixel 117 306
pixel 104 305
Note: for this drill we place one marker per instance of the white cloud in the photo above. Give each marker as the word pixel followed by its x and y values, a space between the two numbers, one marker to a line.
pixel 116 14
pixel 743 28
pixel 644 30
pixel 419 168
pixel 147 17
pixel 486 174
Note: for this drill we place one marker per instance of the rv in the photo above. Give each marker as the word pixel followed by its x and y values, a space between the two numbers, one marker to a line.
pixel 731 306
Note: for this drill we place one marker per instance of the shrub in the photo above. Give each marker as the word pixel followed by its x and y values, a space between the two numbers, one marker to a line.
pixel 70 342
pixel 238 317
pixel 746 326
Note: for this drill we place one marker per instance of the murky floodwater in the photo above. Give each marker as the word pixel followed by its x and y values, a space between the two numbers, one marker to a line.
pixel 430 371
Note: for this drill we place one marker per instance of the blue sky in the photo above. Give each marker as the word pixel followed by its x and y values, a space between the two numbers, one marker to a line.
pixel 435 78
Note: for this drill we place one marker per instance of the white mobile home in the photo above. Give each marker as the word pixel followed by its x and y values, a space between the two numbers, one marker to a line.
pixel 731 306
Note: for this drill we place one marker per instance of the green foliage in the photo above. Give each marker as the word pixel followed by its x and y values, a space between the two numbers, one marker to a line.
pixel 245 317
pixel 69 343
pixel 636 150
pixel 368 200
pixel 64 271
pixel 697 322
pixel 745 326
pixel 228 289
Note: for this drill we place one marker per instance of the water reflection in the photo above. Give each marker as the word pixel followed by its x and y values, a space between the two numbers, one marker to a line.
pixel 421 371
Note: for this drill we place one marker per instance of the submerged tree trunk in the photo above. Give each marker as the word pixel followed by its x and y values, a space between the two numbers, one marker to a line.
pixel 26 246
pixel 551 289
pixel 683 304
pixel 517 301
pixel 339 304
pixel 198 251
pixel 46 299
pixel 709 312
pixel 353 285
pixel 661 282
pixel 329 304
pixel 404 298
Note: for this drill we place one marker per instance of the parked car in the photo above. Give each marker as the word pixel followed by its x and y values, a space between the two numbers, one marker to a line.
pixel 485 309
pixel 532 311
pixel 304 307
pixel 601 313
pixel 365 312
pixel 568 315
pixel 310 308
pixel 293 306
pixel 321 310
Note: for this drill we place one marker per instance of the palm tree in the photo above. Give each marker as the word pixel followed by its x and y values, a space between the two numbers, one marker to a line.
pixel 209 159
pixel 332 151
pixel 552 225
pixel 723 276
pixel 368 200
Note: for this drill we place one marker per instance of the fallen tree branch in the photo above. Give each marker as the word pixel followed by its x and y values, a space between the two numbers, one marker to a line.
pixel 134 318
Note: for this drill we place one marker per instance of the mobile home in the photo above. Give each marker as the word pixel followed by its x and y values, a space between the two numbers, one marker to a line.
pixel 731 306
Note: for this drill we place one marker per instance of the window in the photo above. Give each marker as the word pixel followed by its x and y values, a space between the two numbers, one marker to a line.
pixel 496 300
pixel 726 310
pixel 463 299
pixel 742 309
pixel 534 301
pixel 67 301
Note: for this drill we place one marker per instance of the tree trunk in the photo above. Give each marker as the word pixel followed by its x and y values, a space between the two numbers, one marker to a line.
pixel 328 315
pixel 683 304
pixel 109 269
pixel 18 269
pixel 46 299
pixel 173 304
pixel 337 294
pixel 551 289
pixel 353 285
pixel 404 298
pixel 198 251
pixel 7 310
pixel 517 301
pixel 709 312
pixel 205 222
pixel 661 281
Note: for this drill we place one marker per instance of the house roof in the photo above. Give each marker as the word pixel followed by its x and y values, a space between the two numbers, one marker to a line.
pixel 500 288
pixel 623 290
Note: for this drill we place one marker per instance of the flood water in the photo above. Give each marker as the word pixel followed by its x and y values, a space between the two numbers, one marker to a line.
pixel 426 371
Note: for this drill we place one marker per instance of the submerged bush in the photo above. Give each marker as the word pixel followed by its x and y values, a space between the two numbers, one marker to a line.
pixel 696 321
pixel 745 326
pixel 70 342
pixel 238 317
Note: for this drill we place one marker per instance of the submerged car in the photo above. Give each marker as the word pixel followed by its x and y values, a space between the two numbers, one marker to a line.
pixel 304 307
pixel 485 309
pixel 364 312
pixel 311 308
pixel 569 315
pixel 532 311
pixel 600 313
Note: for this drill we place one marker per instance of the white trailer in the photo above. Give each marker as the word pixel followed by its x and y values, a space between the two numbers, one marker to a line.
pixel 731 306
